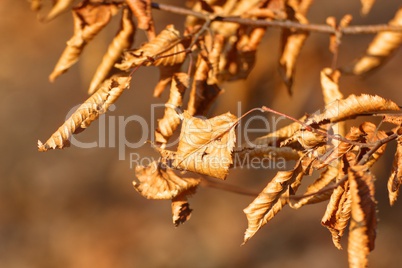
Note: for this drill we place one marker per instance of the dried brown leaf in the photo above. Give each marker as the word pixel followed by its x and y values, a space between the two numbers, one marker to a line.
pixel 355 134
pixel 292 42
pixel 233 8
pixel 206 145
pixel 59 6
pixel 89 20
pixel 165 49
pixel 122 41
pixel 240 58
pixel 276 137
pixel 202 94
pixel 379 50
pixel 88 112
pixel 307 139
pixel 395 119
pixel 36 5
pixel 171 120
pixel 337 214
pixel 142 11
pixel 363 224
pixel 373 135
pixel 214 58
pixel 366 6
pixel 331 92
pixel 181 211
pixel 395 180
pixel 165 78
pixel 326 179
pixel 351 107
pixel 271 200
pixel 159 182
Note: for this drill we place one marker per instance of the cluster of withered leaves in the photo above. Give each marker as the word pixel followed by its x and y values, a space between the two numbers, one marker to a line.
pixel 344 162
pixel 226 52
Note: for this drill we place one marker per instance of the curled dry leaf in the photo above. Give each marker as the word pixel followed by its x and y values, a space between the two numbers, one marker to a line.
pixel 278 136
pixel 206 145
pixel 88 112
pixel 181 211
pixel 331 93
pixel 171 120
pixel 351 107
pixel 165 49
pixel 202 94
pixel 337 214
pixel 159 182
pixel 59 7
pixel 240 57
pixel 363 224
pixel 395 180
pixel 271 200
pixel 379 50
pixel 373 135
pixel 122 41
pixel 355 134
pixel 89 20
pixel 326 179
pixel 292 42
pixel 214 58
pixel 395 119
pixel 142 11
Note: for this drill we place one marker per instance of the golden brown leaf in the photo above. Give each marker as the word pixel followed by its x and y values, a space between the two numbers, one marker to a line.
pixel 142 11
pixel 122 41
pixel 331 92
pixel 59 7
pixel 88 112
pixel 395 119
pixel 366 6
pixel 158 182
pixel 379 50
pixel 373 135
pixel 36 5
pixel 355 134
pixel 291 44
pixel 269 202
pixel 181 211
pixel 206 145
pixel 363 224
pixel 171 120
pixel 395 180
pixel 202 94
pixel 164 49
pixel 351 107
pixel 337 214
pixel 326 179
pixel 239 61
pixel 276 137
pixel 307 139
pixel 165 78
pixel 89 20
pixel 214 58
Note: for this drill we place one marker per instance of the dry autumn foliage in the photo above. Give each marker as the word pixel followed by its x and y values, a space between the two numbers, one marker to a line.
pixel 219 44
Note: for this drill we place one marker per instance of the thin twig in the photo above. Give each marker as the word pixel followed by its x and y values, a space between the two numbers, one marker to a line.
pixel 320 28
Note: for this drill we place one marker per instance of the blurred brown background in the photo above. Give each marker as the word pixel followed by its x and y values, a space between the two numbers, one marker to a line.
pixel 77 207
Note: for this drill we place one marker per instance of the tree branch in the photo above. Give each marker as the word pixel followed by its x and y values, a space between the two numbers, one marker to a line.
pixel 320 28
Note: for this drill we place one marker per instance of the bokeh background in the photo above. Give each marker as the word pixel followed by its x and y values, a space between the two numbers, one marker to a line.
pixel 77 207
